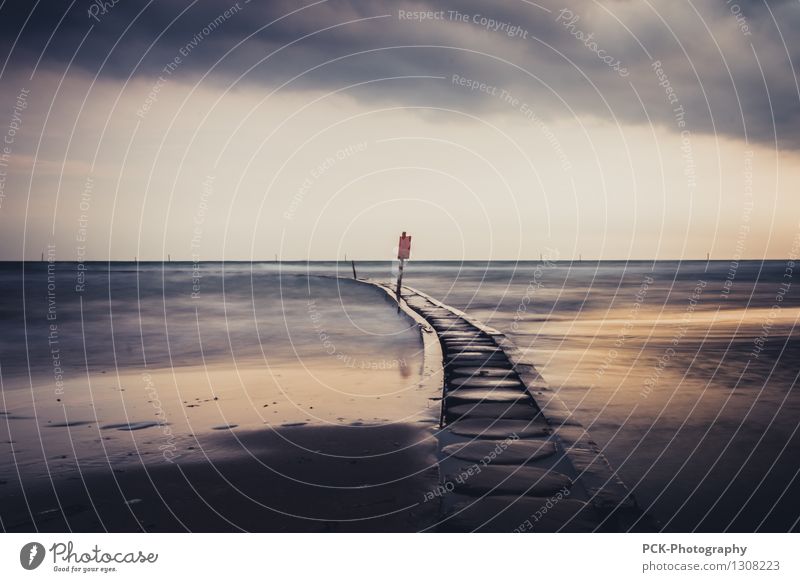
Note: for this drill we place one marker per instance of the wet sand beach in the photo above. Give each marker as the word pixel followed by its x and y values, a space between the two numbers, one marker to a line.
pixel 283 398
pixel 683 372
pixel 299 479
pixel 303 413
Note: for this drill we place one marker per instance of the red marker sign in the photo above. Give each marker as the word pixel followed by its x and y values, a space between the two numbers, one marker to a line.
pixel 404 247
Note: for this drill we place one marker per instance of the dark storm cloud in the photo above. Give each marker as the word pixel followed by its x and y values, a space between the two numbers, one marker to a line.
pixel 727 64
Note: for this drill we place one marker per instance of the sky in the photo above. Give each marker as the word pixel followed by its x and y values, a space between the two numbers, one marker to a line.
pixel 217 130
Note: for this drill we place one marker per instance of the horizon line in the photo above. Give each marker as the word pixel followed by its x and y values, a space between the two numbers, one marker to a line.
pixel 279 261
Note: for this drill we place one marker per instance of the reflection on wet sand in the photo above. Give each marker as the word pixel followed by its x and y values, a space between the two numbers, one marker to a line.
pixel 692 395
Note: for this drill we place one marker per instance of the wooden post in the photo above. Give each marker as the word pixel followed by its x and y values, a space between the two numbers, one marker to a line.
pixel 400 279
pixel 353 263
pixel 403 253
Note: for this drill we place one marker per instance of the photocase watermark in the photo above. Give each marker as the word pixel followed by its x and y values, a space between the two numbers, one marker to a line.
pixel 537 515
pixel 622 335
pixel 169 448
pixel 206 191
pixel 14 126
pixel 744 225
pixel 449 485
pixel 100 8
pixel 652 380
pixel 53 342
pixel 568 19
pixel 760 342
pixel 534 285
pixel 741 19
pixel 31 555
pixel 315 315
pixel 383 364
pixel 82 234
pixel 420 15
pixel 490 24
pixel 679 114
pixel 66 558
pixel 170 68
pixel 522 107
pixel 323 167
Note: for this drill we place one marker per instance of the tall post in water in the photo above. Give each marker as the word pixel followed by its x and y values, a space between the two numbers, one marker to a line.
pixel 403 253
pixel 400 279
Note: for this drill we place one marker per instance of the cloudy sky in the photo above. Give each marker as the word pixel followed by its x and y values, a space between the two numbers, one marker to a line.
pixel 242 130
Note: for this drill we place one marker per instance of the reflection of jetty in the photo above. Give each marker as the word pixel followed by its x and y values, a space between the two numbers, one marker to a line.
pixel 511 456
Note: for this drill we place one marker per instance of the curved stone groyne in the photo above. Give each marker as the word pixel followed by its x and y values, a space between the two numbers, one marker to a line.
pixel 511 455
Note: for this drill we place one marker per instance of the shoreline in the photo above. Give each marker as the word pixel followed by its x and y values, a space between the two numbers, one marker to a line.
pixel 241 462
pixel 558 359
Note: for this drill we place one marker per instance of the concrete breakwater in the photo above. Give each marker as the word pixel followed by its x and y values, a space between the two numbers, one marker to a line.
pixel 512 458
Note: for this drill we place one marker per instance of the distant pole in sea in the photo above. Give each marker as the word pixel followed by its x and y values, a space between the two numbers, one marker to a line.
pixel 276 257
pixel 169 258
pixel 353 263
pixel 43 257
pixel 540 257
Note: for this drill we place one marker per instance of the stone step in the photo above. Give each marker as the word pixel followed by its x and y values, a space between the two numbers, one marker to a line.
pixel 502 452
pixel 495 479
pixel 491 411
pixel 483 371
pixel 493 383
pixel 471 359
pixel 474 349
pixel 511 514
pixel 477 396
pixel 490 428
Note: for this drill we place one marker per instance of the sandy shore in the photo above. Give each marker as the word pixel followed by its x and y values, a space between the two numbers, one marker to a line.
pixel 312 418
pixel 301 479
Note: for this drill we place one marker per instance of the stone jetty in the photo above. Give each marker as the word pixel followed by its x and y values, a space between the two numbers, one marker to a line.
pixel 512 458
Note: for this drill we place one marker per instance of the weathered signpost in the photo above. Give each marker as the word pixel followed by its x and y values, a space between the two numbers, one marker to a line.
pixel 403 253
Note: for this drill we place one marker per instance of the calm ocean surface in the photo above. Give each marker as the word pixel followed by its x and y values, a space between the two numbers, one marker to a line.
pixel 684 373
